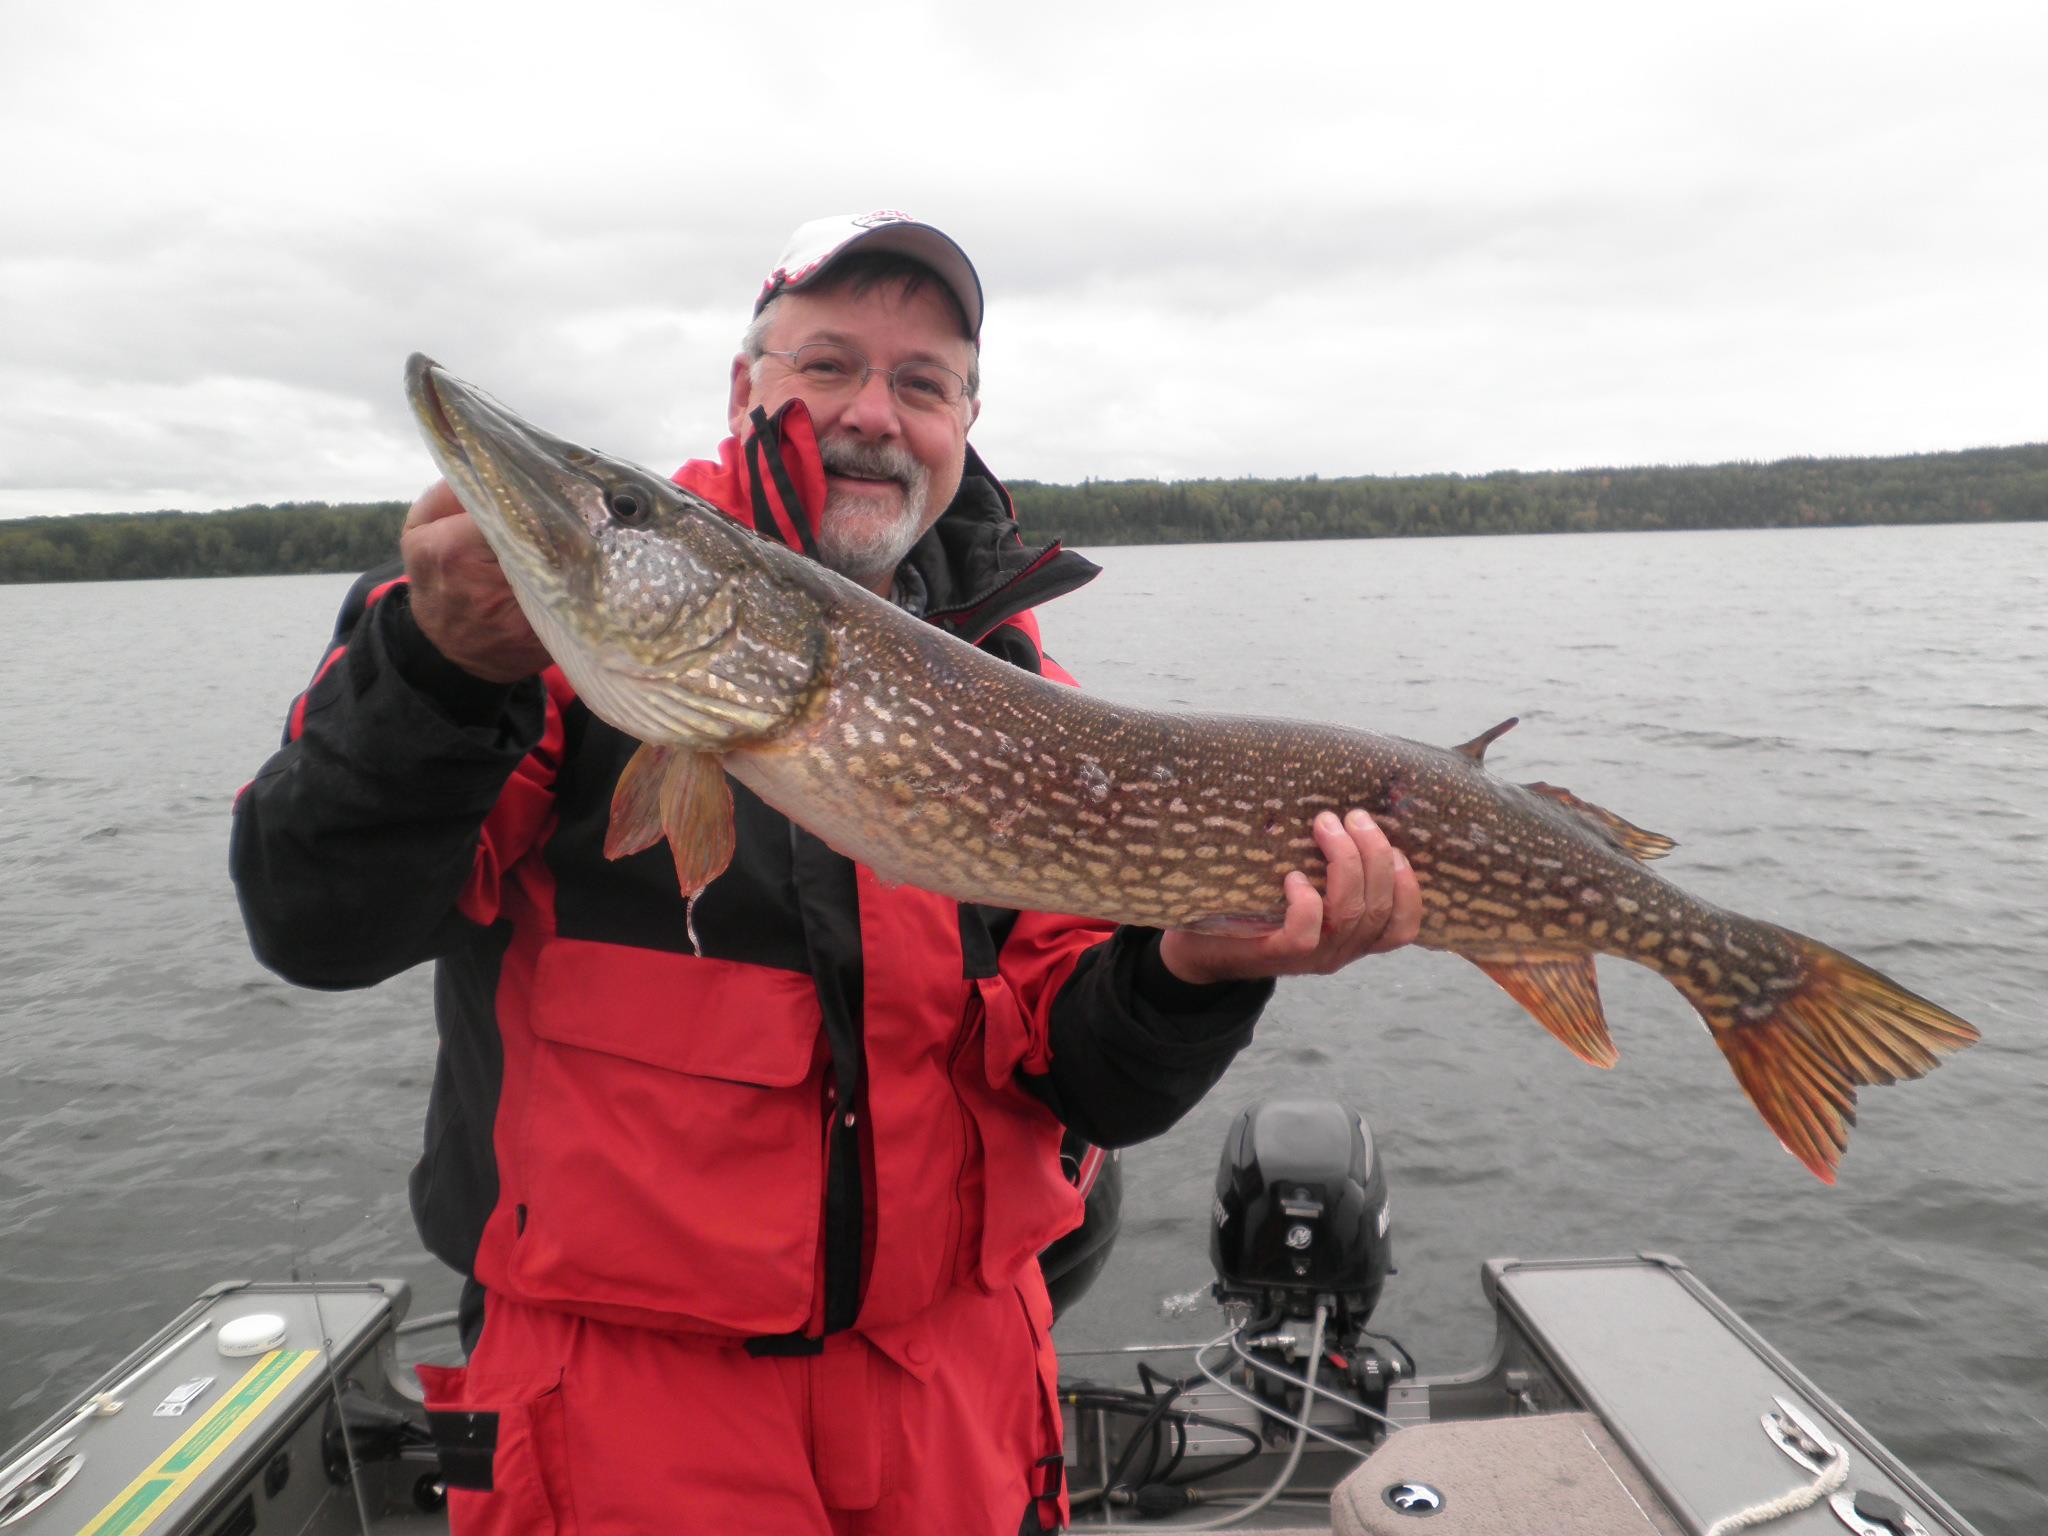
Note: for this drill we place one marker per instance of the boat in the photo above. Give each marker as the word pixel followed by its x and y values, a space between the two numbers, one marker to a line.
pixel 1619 1396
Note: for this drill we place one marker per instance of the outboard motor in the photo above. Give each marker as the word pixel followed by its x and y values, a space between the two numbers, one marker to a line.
pixel 1301 1214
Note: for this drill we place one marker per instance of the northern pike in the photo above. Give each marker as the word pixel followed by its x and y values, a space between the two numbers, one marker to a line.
pixel 942 767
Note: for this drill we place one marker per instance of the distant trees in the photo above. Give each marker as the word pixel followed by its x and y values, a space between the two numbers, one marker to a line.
pixel 1977 485
pixel 247 541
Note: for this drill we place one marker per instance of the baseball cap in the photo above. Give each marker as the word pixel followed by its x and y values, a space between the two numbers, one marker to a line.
pixel 817 245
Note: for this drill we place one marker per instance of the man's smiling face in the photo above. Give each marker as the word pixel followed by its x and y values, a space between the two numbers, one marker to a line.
pixel 890 469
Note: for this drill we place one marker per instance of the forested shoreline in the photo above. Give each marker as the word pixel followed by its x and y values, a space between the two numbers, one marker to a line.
pixel 1974 485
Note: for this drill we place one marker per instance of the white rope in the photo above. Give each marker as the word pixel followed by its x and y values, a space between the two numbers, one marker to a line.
pixel 1832 1477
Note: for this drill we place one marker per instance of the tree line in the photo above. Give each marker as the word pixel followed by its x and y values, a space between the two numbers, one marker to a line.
pixel 1975 485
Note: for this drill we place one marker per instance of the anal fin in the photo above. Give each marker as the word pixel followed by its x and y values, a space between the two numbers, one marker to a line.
pixel 1563 992
pixel 666 790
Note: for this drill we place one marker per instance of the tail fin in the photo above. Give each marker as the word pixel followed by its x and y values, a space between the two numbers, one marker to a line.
pixel 1805 1042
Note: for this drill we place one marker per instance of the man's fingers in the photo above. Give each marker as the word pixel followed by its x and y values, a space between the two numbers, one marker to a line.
pixel 435 502
pixel 1344 876
pixel 1405 920
pixel 1301 930
pixel 1377 856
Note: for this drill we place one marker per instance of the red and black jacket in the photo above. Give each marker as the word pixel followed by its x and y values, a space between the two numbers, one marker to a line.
pixel 849 1099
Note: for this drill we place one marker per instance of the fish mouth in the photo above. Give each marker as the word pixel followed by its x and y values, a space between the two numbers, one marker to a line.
pixel 518 483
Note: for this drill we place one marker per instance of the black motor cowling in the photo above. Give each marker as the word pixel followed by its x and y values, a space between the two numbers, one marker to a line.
pixel 1301 1212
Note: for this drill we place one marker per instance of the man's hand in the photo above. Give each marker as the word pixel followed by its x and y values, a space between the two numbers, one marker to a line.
pixel 460 597
pixel 1370 904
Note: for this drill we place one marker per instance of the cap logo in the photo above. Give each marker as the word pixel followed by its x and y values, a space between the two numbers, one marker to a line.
pixel 883 216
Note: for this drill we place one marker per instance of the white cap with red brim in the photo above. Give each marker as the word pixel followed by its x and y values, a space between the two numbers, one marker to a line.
pixel 817 245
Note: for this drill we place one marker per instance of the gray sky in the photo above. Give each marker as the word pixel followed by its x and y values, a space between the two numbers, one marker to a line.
pixel 1240 239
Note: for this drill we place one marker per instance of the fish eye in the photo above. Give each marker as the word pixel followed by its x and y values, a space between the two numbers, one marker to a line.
pixel 626 505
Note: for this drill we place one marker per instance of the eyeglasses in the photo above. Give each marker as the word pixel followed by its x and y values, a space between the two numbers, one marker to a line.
pixel 827 366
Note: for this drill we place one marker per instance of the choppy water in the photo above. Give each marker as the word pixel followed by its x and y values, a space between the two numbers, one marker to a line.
pixel 1846 729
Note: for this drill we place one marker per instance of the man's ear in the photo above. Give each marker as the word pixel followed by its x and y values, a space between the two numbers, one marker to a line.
pixel 740 398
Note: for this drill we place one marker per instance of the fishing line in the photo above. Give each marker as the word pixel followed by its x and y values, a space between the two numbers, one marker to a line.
pixel 348 1449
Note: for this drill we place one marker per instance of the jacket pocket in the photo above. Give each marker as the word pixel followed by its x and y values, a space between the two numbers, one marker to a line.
pixel 504 1454
pixel 1025 1200
pixel 672 1141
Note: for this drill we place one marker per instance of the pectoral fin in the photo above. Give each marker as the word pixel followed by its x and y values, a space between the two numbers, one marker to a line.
pixel 665 790
pixel 1563 992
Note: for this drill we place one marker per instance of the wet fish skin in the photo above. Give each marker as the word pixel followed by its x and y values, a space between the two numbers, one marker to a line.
pixel 940 766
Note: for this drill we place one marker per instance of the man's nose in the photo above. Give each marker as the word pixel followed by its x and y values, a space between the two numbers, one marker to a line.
pixel 872 410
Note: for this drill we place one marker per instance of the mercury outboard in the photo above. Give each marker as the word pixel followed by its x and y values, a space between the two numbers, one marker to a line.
pixel 1301 1213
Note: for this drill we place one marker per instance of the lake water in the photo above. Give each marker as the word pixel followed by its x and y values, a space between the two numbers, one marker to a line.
pixel 1847 731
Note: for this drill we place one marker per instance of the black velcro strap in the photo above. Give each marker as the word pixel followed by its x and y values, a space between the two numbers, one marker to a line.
pixel 977 945
pixel 1038 1518
pixel 764 521
pixel 466 1443
pixel 779 1344
pixel 791 503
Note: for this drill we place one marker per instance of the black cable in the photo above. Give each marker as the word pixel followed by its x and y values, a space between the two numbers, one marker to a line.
pixel 1146 1432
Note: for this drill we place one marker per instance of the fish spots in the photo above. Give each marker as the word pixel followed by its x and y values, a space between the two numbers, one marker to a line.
pixel 1708 972
pixel 1592 896
pixel 850 734
pixel 1628 907
pixel 1492 908
pixel 1460 872
pixel 1652 938
pixel 1679 956
pixel 1551 903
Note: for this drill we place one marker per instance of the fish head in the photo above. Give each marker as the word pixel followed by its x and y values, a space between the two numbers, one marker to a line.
pixel 657 607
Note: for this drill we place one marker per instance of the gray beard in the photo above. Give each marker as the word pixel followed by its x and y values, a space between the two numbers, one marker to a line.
pixel 853 538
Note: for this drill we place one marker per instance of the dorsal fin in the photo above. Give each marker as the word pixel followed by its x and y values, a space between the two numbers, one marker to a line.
pixel 1625 835
pixel 1476 747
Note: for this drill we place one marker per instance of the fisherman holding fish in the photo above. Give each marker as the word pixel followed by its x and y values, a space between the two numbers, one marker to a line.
pixel 748 1177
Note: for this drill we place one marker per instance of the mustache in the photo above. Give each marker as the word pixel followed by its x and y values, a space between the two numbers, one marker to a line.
pixel 872 461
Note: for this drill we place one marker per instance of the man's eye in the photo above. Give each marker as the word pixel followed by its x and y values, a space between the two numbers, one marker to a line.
pixel 922 384
pixel 826 367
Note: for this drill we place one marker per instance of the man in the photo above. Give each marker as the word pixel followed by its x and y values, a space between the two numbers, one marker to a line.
pixel 749 1221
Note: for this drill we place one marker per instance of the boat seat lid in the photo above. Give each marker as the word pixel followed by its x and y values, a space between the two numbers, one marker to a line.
pixel 1500 1477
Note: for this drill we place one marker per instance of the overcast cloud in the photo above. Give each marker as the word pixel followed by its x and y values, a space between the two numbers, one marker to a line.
pixel 1247 239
